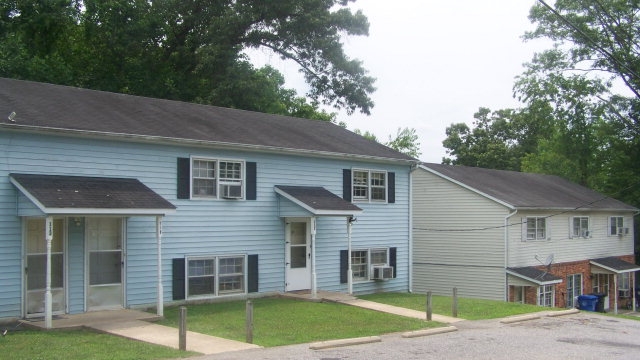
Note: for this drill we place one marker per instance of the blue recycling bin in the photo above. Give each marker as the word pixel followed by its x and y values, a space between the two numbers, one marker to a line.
pixel 587 302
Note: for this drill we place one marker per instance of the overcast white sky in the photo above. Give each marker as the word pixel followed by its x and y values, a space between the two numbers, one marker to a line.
pixel 436 63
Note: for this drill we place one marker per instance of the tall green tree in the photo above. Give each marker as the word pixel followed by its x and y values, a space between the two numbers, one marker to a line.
pixel 591 78
pixel 184 50
pixel 406 141
pixel 497 140
pixel 580 117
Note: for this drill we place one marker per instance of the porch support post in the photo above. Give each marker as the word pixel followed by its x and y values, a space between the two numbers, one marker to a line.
pixel 633 289
pixel 349 270
pixel 314 285
pixel 615 294
pixel 160 301
pixel 48 298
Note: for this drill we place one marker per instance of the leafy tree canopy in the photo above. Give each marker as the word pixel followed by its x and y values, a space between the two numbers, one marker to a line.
pixel 189 50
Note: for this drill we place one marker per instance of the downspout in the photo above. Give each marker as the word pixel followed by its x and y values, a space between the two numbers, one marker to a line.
pixel 349 270
pixel 160 299
pixel 413 168
pixel 633 278
pixel 506 253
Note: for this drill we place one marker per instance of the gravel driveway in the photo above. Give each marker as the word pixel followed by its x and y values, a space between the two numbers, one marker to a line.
pixel 580 336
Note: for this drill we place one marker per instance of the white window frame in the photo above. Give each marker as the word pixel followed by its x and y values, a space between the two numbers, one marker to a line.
pixel 367 266
pixel 217 179
pixel 624 288
pixel 369 186
pixel 600 283
pixel 217 275
pixel 580 230
pixel 619 223
pixel 536 228
pixel 546 295
pixel 575 280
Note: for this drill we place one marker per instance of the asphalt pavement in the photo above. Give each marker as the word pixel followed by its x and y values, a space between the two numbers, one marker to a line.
pixel 584 335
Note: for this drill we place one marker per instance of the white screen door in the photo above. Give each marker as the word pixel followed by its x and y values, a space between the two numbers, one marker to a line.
pixel 105 263
pixel 298 255
pixel 36 266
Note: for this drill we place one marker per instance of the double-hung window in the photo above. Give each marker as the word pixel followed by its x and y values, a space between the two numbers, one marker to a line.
pixel 369 185
pixel 580 226
pixel 536 228
pixel 215 275
pixel 362 262
pixel 600 283
pixel 546 295
pixel 213 179
pixel 616 224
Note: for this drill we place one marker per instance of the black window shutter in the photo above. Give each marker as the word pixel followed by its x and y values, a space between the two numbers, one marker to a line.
pixel 251 192
pixel 392 260
pixel 346 184
pixel 344 265
pixel 178 279
pixel 252 273
pixel 391 182
pixel 184 181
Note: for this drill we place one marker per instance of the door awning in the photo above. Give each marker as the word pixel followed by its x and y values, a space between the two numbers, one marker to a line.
pixel 612 265
pixel 318 200
pixel 533 275
pixel 83 195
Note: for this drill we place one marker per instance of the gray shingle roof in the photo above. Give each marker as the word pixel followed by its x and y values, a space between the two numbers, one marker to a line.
pixel 528 190
pixel 534 275
pixel 61 107
pixel 318 200
pixel 615 264
pixel 66 193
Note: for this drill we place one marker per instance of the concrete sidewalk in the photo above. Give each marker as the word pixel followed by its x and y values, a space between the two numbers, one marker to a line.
pixel 168 336
pixel 422 315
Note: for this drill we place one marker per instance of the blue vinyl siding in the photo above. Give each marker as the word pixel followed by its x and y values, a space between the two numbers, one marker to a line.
pixel 75 273
pixel 199 227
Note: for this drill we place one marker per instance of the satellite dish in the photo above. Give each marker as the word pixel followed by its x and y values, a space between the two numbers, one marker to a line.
pixel 548 260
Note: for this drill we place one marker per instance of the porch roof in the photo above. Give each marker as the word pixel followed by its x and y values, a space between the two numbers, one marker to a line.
pixel 534 275
pixel 613 265
pixel 318 200
pixel 82 195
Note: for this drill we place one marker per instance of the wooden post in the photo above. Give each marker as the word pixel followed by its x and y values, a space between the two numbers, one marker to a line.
pixel 429 310
pixel 454 305
pixel 182 332
pixel 249 323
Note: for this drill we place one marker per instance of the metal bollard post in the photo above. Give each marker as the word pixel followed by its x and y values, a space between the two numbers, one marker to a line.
pixel 249 322
pixel 429 310
pixel 454 306
pixel 182 332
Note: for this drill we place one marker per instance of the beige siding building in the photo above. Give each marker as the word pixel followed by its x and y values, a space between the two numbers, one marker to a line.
pixel 513 236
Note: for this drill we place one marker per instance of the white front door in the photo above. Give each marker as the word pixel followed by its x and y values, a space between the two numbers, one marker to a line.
pixel 105 263
pixel 298 255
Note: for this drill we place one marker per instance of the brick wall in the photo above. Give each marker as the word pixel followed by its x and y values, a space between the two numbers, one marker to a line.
pixel 562 270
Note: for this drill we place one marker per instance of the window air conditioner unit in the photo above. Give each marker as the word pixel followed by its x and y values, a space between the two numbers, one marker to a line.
pixel 382 272
pixel 231 191
pixel 623 231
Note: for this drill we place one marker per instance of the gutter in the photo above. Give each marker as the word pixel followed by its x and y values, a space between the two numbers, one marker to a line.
pixel 506 253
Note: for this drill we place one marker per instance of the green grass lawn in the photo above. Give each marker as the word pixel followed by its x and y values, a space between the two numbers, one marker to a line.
pixel 470 309
pixel 79 345
pixel 280 321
